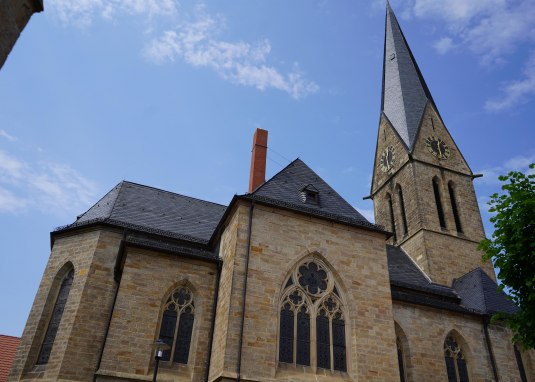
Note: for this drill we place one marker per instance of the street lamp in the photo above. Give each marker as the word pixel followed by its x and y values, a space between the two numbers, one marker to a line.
pixel 159 347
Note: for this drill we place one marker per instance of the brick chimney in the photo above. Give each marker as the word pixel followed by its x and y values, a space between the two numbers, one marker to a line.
pixel 258 159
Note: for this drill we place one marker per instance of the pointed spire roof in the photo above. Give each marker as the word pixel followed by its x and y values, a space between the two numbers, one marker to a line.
pixel 405 93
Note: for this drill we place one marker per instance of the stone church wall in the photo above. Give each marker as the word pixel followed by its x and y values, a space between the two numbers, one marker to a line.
pixel 149 277
pixel 358 260
pixel 78 342
pixel 424 329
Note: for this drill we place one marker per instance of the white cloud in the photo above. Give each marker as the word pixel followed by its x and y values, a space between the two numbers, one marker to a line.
pixel 10 202
pixel 516 92
pixel 7 136
pixel 48 187
pixel 444 45
pixel 518 163
pixel 81 13
pixel 240 62
pixel 195 43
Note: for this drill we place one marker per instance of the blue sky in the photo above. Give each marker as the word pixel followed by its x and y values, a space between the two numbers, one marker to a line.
pixel 168 93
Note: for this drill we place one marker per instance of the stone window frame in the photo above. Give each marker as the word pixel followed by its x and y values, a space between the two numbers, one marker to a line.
pixel 392 217
pixel 439 204
pixel 314 302
pixel 461 352
pixel 48 313
pixel 171 366
pixel 402 209
pixel 402 345
pixel 454 204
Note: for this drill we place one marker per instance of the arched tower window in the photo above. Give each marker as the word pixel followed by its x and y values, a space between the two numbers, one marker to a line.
pixel 391 213
pixel 312 312
pixel 455 361
pixel 55 320
pixel 454 208
pixel 520 364
pixel 177 325
pixel 402 210
pixel 438 202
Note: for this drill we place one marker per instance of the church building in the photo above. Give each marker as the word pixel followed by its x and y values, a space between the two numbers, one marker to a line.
pixel 288 282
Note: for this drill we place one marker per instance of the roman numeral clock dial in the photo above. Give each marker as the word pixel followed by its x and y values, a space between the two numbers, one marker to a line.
pixel 437 147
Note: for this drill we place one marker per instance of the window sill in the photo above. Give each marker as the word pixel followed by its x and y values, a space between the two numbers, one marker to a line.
pixel 289 370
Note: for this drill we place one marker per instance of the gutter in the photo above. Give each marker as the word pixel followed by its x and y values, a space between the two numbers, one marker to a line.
pixel 212 326
pixel 247 256
pixel 486 320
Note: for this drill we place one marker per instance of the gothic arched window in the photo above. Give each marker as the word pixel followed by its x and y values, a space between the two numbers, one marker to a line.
pixel 391 213
pixel 438 202
pixel 57 313
pixel 402 208
pixel 312 311
pixel 177 325
pixel 455 361
pixel 454 208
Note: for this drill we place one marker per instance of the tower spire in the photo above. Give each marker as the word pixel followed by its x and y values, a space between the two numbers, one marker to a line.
pixel 405 93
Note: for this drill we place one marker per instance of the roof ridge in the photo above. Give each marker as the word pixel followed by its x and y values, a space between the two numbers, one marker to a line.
pixel 172 193
pixel 118 185
pixel 274 176
pixel 8 335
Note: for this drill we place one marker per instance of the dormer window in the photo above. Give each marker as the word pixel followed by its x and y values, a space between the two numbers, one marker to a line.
pixel 310 195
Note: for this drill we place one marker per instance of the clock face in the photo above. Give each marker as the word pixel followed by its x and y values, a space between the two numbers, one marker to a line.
pixel 437 147
pixel 388 157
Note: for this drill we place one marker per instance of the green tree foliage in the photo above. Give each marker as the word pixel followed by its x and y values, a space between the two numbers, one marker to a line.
pixel 512 249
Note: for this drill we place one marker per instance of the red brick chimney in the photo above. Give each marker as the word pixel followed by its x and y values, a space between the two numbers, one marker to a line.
pixel 258 159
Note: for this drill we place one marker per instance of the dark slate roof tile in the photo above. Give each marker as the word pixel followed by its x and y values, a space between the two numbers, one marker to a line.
pixel 154 210
pixel 479 292
pixel 284 190
pixel 404 273
pixel 405 93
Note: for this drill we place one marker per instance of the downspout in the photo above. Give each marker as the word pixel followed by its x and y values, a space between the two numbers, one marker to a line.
pixel 212 327
pixel 247 255
pixel 489 347
pixel 117 277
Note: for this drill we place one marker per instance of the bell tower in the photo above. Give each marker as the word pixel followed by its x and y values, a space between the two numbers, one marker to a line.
pixel 422 187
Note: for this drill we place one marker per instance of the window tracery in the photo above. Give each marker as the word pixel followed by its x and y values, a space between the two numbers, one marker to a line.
pixel 455 361
pixel 55 320
pixel 177 325
pixel 312 311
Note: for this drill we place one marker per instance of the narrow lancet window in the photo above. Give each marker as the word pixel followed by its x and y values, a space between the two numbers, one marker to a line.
pixel 55 320
pixel 402 208
pixel 454 208
pixel 177 325
pixel 438 202
pixel 392 220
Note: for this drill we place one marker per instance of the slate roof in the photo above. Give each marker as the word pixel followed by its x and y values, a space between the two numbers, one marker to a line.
pixel 478 291
pixel 404 273
pixel 153 210
pixel 405 93
pixel 284 190
pixel 8 348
